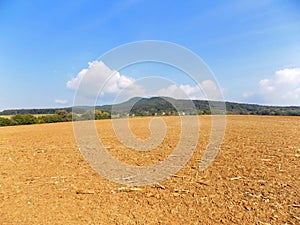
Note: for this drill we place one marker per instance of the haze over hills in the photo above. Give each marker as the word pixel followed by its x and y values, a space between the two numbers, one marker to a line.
pixel 139 106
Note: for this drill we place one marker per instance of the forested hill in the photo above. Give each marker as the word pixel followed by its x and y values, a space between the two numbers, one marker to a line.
pixel 79 110
pixel 164 106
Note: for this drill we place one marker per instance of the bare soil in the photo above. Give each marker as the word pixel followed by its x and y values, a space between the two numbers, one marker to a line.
pixel 253 180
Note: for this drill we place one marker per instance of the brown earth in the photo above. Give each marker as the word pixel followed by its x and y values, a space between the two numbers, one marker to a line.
pixel 254 179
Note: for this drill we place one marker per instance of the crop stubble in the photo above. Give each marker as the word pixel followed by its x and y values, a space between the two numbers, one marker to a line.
pixel 254 179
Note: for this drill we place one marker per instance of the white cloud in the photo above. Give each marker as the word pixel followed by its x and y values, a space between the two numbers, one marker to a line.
pixel 90 80
pixel 282 89
pixel 205 90
pixel 61 101
pixel 172 91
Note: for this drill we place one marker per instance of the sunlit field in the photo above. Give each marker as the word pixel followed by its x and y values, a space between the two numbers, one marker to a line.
pixel 253 180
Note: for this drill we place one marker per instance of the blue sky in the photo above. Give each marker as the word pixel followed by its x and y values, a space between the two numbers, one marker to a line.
pixel 252 46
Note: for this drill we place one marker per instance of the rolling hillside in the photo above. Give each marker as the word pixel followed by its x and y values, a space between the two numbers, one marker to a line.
pixel 166 106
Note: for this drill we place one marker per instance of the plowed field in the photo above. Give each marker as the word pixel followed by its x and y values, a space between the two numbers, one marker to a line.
pixel 255 179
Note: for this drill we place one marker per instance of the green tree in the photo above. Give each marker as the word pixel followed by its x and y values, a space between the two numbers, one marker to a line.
pixel 40 119
pixel 23 119
pixel 206 112
pixel 95 115
pixel 5 122
pixel 62 114
pixel 101 115
pixel 73 117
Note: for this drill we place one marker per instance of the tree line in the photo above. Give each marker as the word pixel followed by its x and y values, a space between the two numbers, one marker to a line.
pixel 77 110
pixel 166 106
pixel 154 106
pixel 58 116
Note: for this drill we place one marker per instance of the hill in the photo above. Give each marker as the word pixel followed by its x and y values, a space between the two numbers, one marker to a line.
pixel 166 106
